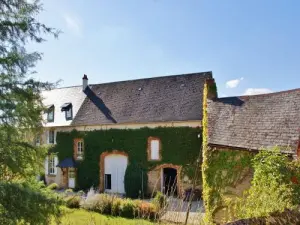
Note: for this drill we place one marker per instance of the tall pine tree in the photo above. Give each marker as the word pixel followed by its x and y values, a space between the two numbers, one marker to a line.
pixel 21 198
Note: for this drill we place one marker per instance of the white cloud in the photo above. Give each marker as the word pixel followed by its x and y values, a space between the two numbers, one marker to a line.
pixel 233 83
pixel 74 24
pixel 257 91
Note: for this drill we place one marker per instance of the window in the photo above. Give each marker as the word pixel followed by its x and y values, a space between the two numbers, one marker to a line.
pixel 67 108
pixel 50 115
pixel 71 172
pixel 79 149
pixel 107 180
pixel 153 148
pixel 51 137
pixel 69 114
pixel 52 162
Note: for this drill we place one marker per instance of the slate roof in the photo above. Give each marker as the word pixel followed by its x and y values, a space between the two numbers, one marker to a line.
pixel 170 98
pixel 58 97
pixel 252 122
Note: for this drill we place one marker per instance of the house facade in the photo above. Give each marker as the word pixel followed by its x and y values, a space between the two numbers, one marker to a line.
pixel 142 135
pixel 62 106
pixel 236 128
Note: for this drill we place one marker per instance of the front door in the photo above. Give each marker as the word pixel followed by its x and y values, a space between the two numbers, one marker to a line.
pixel 71 178
pixel 114 172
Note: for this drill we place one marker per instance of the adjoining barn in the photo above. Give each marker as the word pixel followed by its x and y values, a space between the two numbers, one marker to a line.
pixel 235 129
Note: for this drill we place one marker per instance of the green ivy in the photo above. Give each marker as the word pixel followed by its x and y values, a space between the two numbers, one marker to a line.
pixel 139 176
pixel 220 168
pixel 179 145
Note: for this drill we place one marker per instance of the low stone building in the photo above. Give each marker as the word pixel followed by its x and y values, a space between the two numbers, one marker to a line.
pixel 236 128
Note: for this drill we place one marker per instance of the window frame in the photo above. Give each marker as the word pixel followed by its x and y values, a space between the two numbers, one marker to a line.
pixel 107 182
pixel 50 131
pixel 150 139
pixel 80 146
pixel 51 164
pixel 50 110
pixel 70 110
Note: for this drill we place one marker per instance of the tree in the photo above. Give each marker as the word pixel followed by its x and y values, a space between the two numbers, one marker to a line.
pixel 21 111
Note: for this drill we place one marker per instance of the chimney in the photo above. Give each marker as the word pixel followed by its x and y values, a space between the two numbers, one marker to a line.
pixel 212 92
pixel 85 82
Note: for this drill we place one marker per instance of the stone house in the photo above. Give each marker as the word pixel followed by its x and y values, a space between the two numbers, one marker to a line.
pixel 154 123
pixel 242 126
pixel 62 106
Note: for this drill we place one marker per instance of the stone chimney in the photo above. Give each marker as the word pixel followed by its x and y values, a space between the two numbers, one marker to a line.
pixel 212 92
pixel 85 82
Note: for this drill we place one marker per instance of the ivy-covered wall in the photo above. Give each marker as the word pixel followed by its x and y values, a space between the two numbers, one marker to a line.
pixel 223 170
pixel 179 146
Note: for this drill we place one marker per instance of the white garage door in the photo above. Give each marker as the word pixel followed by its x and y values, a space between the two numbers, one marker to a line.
pixel 114 172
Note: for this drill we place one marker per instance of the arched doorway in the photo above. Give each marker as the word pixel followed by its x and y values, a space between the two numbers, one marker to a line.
pixel 169 182
pixel 113 166
pixel 165 178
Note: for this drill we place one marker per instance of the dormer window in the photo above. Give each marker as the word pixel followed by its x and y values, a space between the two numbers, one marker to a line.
pixel 67 108
pixel 50 114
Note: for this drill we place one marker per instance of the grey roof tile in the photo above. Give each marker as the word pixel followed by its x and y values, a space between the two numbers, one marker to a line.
pixel 170 98
pixel 252 122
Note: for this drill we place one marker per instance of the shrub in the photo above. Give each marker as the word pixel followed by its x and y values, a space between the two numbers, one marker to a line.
pixel 90 202
pixel 104 204
pixel 160 200
pixel 73 201
pixel 146 210
pixel 52 186
pixel 137 174
pixel 116 206
pixel 101 203
pixel 128 208
pixel 272 189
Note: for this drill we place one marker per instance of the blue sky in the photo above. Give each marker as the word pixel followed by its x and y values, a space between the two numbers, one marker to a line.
pixel 251 46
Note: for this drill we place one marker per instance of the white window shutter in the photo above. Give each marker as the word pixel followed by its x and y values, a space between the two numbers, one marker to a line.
pixel 46 166
pixel 55 164
pixel 155 149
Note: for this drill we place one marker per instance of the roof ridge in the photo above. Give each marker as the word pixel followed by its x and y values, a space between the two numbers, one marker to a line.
pixel 148 78
pixel 265 94
pixel 160 77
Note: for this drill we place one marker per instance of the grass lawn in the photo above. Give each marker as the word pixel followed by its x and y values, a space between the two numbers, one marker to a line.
pixel 83 217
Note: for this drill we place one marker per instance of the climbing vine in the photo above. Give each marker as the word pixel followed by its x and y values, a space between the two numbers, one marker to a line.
pixel 179 146
pixel 220 168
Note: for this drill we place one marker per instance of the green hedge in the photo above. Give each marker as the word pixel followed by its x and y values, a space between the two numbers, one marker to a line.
pixel 180 146
pixel 136 173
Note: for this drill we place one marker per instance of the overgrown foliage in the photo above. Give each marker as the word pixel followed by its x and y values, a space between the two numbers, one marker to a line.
pixel 274 187
pixel 29 202
pixel 20 115
pixel 179 145
pixel 138 174
pixel 207 190
pixel 113 205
